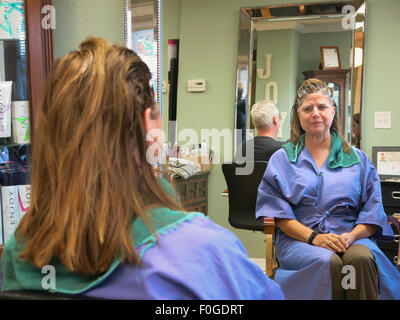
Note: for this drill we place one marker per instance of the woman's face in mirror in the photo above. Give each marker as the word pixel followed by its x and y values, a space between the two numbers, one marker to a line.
pixel 356 128
pixel 316 114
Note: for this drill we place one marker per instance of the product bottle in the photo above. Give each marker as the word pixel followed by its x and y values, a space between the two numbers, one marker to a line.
pixel 204 149
pixel 5 112
pixel 24 198
pixel 20 122
pixel 9 205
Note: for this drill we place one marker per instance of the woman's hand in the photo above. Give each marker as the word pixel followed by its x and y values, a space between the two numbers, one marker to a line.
pixel 348 238
pixel 360 231
pixel 330 241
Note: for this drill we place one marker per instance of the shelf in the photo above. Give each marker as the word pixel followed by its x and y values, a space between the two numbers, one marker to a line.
pixel 12 39
pixel 14 145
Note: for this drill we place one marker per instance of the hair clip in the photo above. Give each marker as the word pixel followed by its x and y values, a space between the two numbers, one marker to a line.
pixel 86 64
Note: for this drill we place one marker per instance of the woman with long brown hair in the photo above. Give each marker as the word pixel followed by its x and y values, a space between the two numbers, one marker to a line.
pixel 98 216
pixel 326 200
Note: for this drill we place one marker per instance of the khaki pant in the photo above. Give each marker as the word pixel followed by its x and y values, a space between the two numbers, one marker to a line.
pixel 365 270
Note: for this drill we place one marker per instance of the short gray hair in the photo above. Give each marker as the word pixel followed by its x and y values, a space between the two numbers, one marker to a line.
pixel 262 114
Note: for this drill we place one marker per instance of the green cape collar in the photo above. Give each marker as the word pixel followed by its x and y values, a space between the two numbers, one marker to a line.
pixel 336 159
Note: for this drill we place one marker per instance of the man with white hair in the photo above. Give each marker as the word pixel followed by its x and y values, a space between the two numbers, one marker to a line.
pixel 265 117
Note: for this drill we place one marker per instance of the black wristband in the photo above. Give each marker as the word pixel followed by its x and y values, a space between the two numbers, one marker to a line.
pixel 312 236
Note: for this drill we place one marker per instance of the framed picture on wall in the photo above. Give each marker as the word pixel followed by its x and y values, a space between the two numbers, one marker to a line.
pixel 330 58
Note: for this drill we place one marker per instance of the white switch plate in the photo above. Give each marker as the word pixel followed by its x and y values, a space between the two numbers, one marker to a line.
pixel 383 120
pixel 196 85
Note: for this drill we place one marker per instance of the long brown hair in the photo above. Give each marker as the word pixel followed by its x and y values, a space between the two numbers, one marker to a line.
pixel 90 177
pixel 308 87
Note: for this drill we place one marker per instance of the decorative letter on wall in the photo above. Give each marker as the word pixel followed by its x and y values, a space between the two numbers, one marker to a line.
pixel 274 86
pixel 283 116
pixel 267 74
pixel 271 85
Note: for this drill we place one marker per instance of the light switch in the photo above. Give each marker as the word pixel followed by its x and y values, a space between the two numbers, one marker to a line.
pixel 383 120
pixel 196 85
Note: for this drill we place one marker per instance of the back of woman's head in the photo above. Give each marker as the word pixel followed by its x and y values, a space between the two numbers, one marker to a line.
pixel 311 86
pixel 357 118
pixel 90 177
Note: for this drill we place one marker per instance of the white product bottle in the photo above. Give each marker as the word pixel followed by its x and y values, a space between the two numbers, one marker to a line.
pixel 9 196
pixel 204 149
pixel 24 199
pixel 195 150
pixel 1 224
pixel 5 111
pixel 20 122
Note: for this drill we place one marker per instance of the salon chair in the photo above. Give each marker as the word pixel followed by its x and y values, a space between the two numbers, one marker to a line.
pixel 243 191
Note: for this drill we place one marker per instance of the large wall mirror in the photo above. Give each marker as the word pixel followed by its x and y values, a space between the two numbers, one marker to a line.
pixel 281 46
pixel 144 35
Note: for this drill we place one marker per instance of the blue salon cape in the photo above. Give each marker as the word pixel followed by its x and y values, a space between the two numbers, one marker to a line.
pixel 325 200
pixel 199 260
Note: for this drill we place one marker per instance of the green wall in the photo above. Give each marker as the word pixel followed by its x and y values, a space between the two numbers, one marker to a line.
pixel 310 44
pixel 382 73
pixel 281 44
pixel 76 20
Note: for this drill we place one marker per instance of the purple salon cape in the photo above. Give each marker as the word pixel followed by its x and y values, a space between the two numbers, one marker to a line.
pixel 197 260
pixel 325 200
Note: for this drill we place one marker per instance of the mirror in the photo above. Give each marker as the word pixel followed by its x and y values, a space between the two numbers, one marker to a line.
pixel 142 34
pixel 281 46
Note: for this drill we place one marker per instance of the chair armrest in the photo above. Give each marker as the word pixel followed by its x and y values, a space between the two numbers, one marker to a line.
pixel 269 231
pixel 269 225
pixel 394 221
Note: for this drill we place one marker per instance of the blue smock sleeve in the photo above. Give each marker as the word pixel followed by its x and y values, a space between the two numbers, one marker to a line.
pixel 371 207
pixel 275 189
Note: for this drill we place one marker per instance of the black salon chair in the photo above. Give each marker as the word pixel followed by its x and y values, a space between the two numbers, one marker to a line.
pixel 243 191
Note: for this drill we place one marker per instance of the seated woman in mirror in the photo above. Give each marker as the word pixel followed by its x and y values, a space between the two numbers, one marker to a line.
pixel 326 200
pixel 241 113
pixel 98 215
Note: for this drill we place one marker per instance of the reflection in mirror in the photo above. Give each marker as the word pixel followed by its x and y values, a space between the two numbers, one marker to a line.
pixel 281 46
pixel 244 73
pixel 142 30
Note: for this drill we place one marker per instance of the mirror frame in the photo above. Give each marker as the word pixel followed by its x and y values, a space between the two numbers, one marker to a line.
pixel 245 68
pixel 157 36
